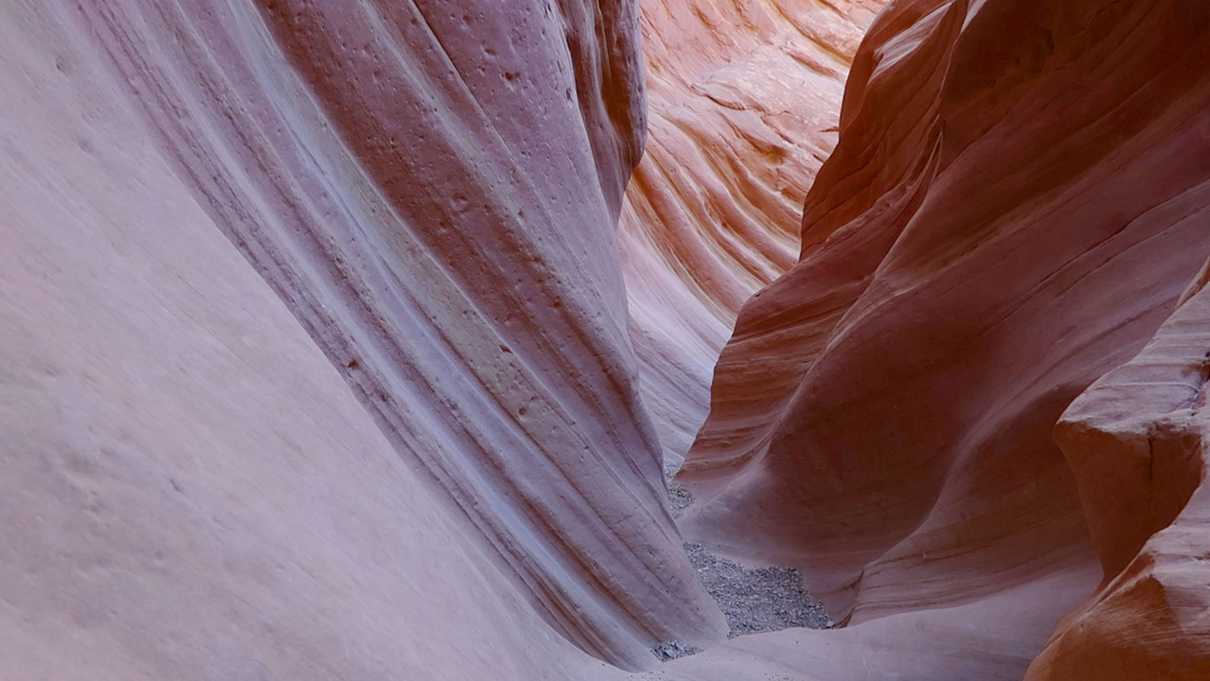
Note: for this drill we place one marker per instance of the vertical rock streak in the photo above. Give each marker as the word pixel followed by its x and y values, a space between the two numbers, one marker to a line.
pixel 1136 441
pixel 422 188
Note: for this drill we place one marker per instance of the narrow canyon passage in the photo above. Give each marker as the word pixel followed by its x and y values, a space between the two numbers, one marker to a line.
pixel 743 102
pixel 549 339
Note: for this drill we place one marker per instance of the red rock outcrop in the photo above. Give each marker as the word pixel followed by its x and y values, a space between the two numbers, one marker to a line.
pixel 1017 201
pixel 1137 443
pixel 743 100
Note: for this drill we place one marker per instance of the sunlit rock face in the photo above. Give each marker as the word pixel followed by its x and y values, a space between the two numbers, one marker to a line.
pixel 1016 203
pixel 432 190
pixel 743 98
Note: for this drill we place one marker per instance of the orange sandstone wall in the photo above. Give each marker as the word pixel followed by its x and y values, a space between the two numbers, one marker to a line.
pixel 743 97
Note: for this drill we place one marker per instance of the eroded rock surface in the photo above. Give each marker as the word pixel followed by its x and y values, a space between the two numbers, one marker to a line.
pixel 1137 443
pixel 432 189
pixel 743 100
pixel 1017 201
pixel 404 435
pixel 190 489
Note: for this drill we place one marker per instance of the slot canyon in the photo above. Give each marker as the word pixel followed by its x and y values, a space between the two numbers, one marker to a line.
pixel 605 340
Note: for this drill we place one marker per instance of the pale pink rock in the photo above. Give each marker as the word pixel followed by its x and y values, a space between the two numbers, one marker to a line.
pixel 432 189
pixel 190 489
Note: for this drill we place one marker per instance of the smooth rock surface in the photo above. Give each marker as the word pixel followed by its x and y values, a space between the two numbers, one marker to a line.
pixel 322 355
pixel 433 189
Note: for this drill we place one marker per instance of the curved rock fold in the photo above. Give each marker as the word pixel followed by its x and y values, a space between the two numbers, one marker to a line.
pixel 1017 201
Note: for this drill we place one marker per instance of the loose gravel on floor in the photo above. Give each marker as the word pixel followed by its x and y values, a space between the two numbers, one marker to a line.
pixel 761 599
pixel 756 600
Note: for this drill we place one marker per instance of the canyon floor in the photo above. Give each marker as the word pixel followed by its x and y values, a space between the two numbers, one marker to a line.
pixel 753 599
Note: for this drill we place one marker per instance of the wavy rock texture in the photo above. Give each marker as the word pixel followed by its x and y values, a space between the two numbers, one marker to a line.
pixel 743 99
pixel 1137 441
pixel 1016 203
pixel 190 489
pixel 432 190
pixel 402 436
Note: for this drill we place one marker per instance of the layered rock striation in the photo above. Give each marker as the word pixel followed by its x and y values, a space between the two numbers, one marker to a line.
pixel 190 489
pixel 743 100
pixel 1017 201
pixel 432 190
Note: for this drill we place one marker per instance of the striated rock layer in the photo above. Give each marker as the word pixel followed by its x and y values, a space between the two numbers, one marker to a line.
pixel 190 489
pixel 743 98
pixel 431 189
pixel 1017 201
